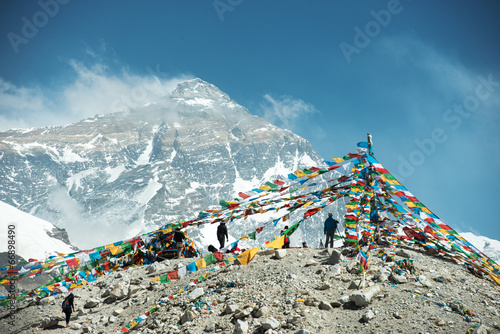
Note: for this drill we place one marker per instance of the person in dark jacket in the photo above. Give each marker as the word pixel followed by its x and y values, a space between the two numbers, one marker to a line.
pixel 330 227
pixel 179 241
pixel 68 307
pixel 222 234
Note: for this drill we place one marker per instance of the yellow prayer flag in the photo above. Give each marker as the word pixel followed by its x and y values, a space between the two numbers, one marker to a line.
pixel 114 249
pixel 265 188
pixel 166 230
pixel 247 256
pixel 338 160
pixel 307 204
pixel 299 173
pixel 201 263
pixel 245 237
pixel 278 243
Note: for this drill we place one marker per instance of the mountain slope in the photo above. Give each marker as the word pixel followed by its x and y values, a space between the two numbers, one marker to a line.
pixel 33 237
pixel 110 177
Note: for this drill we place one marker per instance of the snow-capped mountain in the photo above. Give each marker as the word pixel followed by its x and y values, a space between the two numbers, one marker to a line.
pixel 113 176
pixel 32 237
pixel 489 247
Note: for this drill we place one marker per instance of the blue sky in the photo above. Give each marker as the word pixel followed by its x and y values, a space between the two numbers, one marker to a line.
pixel 423 77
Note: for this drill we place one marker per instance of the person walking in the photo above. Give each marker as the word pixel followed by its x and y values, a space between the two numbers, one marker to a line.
pixel 222 234
pixel 179 242
pixel 330 227
pixel 68 307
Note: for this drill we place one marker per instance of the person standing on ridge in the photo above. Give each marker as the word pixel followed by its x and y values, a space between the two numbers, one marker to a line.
pixel 68 307
pixel 222 234
pixel 330 227
pixel 286 241
pixel 179 241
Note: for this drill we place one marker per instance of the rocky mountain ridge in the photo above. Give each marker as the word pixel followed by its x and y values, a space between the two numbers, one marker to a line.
pixel 301 291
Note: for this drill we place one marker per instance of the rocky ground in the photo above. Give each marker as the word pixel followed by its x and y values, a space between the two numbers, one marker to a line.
pixel 293 291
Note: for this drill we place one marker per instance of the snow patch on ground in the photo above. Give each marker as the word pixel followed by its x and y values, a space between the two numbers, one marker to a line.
pixel 148 193
pixel 114 173
pixel 75 180
pixel 69 156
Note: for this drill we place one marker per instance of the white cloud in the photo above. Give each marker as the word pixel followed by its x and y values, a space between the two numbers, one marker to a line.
pixel 285 111
pixel 93 91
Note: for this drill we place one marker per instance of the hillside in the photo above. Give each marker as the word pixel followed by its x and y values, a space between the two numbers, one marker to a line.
pixel 34 237
pixel 303 292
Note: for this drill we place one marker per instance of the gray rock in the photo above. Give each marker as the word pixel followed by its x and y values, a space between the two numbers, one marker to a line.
pixel 325 286
pixel 311 302
pixel 280 253
pixel 311 262
pixel 398 279
pixel 117 312
pixel 270 323
pixel 425 281
pixel 262 311
pixel 120 290
pixel 355 285
pixel 76 326
pixel 241 314
pixel 46 300
pixel 230 308
pixel 210 327
pixel 111 319
pixel 188 316
pixel 91 303
pixel 302 331
pixel 335 270
pixel 49 322
pixel 241 327
pixel 325 306
pixel 196 293
pixel 403 253
pixel 363 297
pixel 335 257
pixel 368 316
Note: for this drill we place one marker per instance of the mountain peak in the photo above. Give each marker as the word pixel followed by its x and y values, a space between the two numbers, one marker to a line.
pixel 198 89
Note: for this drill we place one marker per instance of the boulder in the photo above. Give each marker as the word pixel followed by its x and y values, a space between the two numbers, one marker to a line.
pixel 91 303
pixel 363 297
pixel 230 308
pixel 335 270
pixel 270 323
pixel 262 311
pixel 311 262
pixel 280 253
pixel 324 306
pixel 368 316
pixel 403 253
pixel 120 290
pixel 49 322
pixel 196 293
pixel 188 316
pixel 241 327
pixel 325 286
pixel 335 257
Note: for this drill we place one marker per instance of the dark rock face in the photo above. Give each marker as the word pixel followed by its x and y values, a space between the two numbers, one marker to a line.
pixel 138 170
